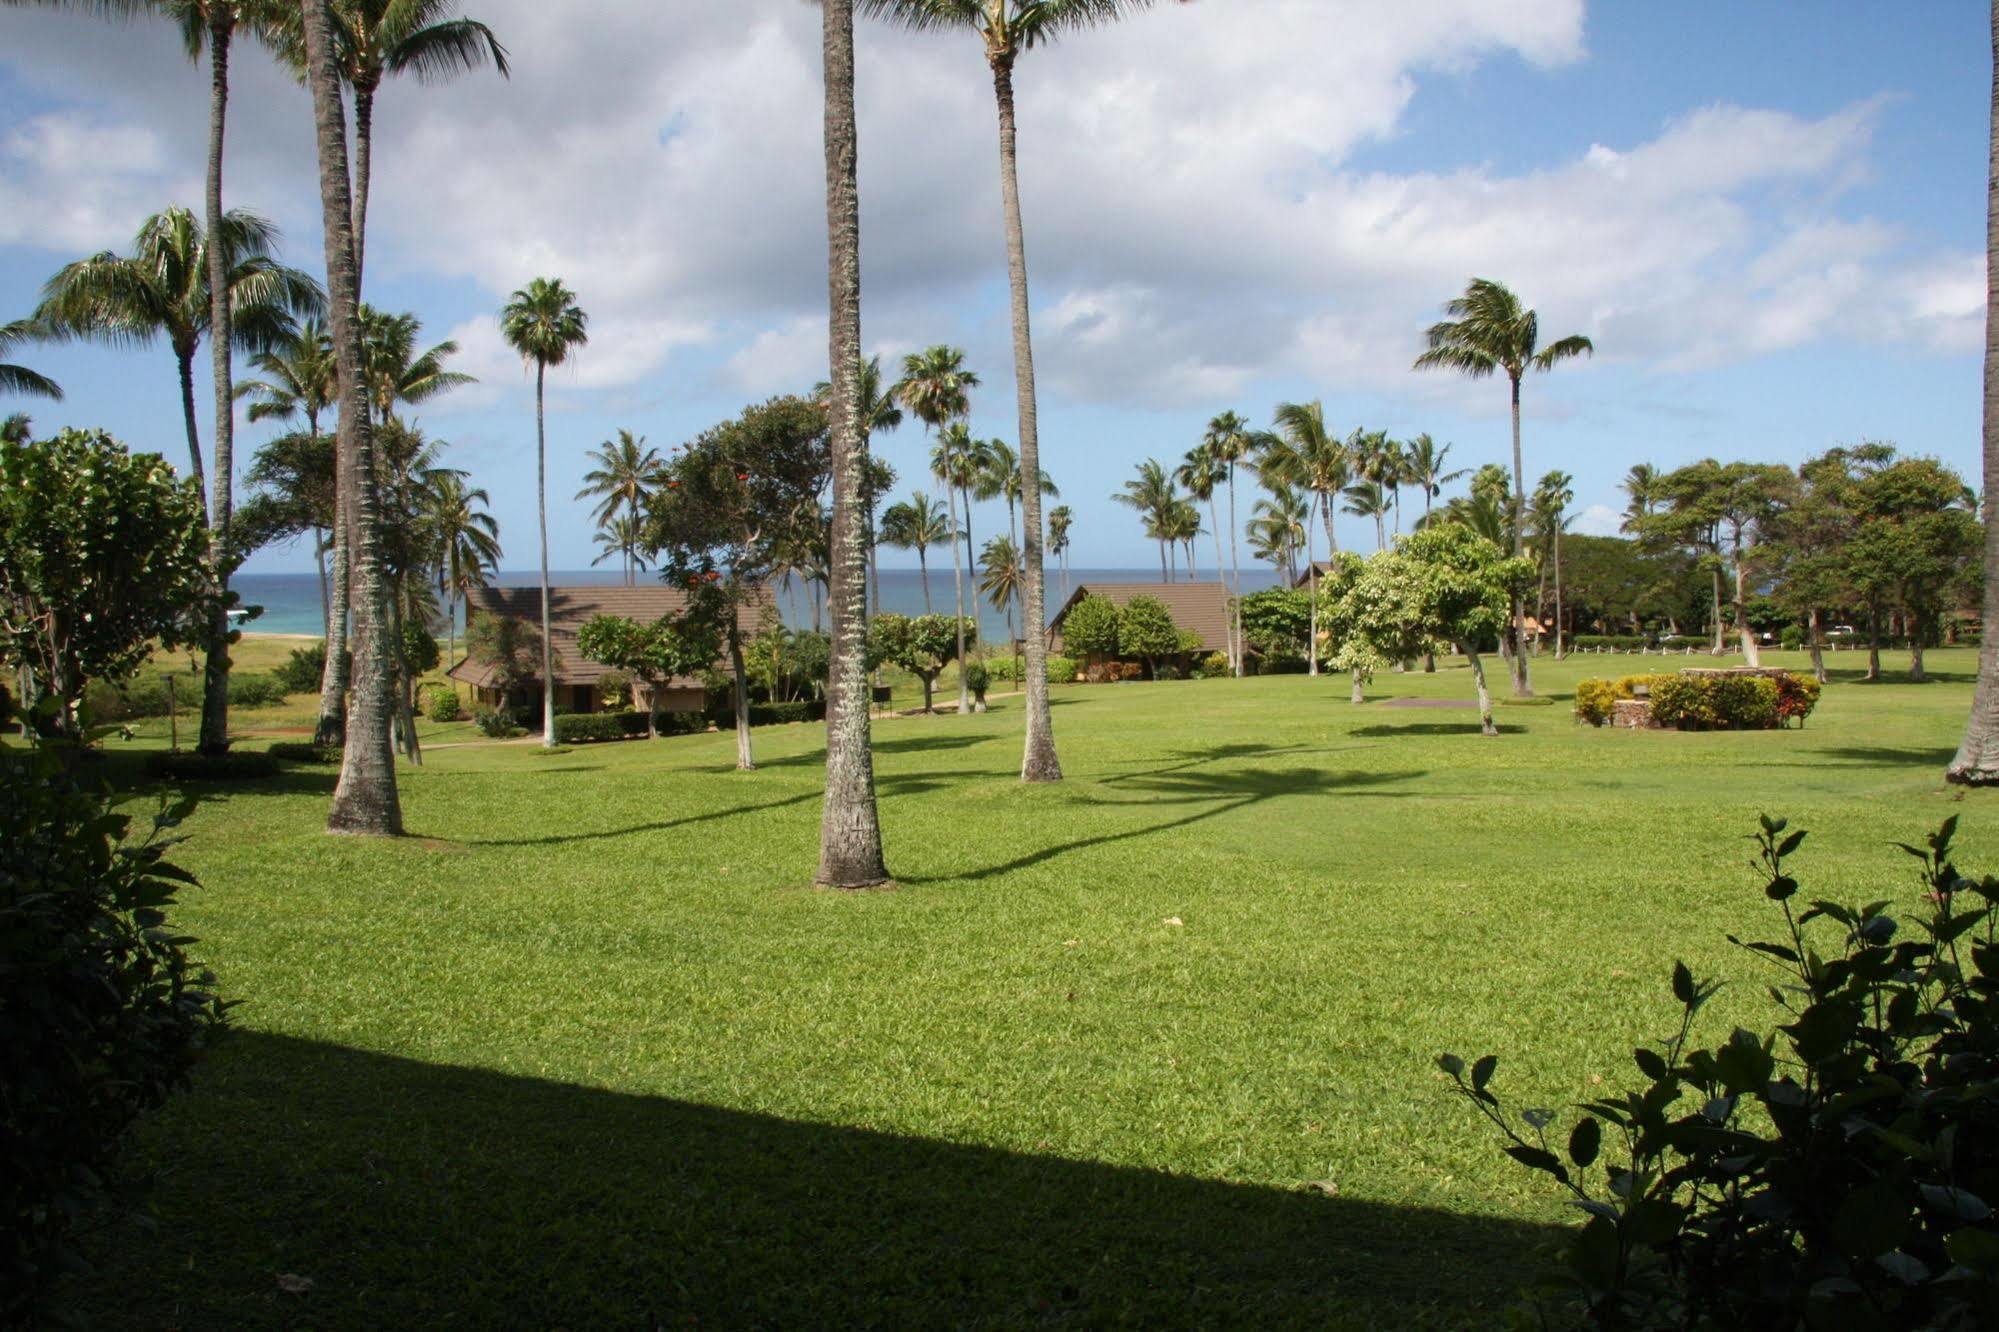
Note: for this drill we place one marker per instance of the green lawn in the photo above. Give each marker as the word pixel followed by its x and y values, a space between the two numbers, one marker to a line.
pixel 585 1050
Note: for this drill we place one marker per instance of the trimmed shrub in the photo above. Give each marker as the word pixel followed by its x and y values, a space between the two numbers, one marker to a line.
pixel 298 751
pixel 1090 629
pixel 1190 642
pixel 1061 670
pixel 1281 663
pixel 102 1013
pixel 1215 664
pixel 303 670
pixel 1797 695
pixel 978 679
pixel 245 766
pixel 442 704
pixel 497 723
pixel 782 714
pixel 1715 702
pixel 1594 698
pixel 582 728
pixel 253 691
pixel 680 723
pixel 1166 671
pixel 614 691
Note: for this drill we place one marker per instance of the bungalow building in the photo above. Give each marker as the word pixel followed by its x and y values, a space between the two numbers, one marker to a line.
pixel 576 678
pixel 1202 608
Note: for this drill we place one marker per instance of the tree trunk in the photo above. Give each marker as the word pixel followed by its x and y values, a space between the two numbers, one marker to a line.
pixel 850 839
pixel 1312 590
pixel 1485 726
pixel 1751 653
pixel 1917 675
pixel 1977 759
pixel 740 677
pixel 364 143
pixel 196 471
pixel 215 673
pixel 331 730
pixel 1522 687
pixel 958 604
pixel 1817 645
pixel 365 801
pixel 1359 692
pixel 325 599
pixel 1164 576
pixel 405 684
pixel 1221 573
pixel 1235 573
pixel 1720 632
pixel 923 568
pixel 1874 645
pixel 541 510
pixel 1558 588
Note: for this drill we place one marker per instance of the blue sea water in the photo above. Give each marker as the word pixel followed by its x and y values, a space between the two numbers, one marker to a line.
pixel 290 602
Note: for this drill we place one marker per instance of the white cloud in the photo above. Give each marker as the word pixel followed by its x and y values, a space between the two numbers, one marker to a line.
pixel 1599 520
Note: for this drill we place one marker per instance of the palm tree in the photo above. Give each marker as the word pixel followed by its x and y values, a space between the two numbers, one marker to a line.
pixel 19 378
pixel 1000 578
pixel 296 474
pixel 1012 484
pixel 936 386
pixel 1183 528
pixel 1426 469
pixel 623 538
pixel 879 411
pixel 161 290
pixel 15 428
pixel 1229 441
pixel 1152 496
pixel 302 379
pixel 1203 474
pixel 1005 29
pixel 917 524
pixel 1551 501
pixel 377 39
pixel 1278 525
pixel 395 370
pixel 1059 519
pixel 1366 500
pixel 627 471
pixel 365 799
pixel 1641 487
pixel 544 324
pixel 1306 454
pixel 1487 332
pixel 1977 759
pixel 468 543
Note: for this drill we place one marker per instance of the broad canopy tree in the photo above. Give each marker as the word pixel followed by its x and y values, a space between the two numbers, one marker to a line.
pixel 923 645
pixel 652 654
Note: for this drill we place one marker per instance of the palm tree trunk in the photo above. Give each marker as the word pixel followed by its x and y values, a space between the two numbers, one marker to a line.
pixel 1039 762
pixel 1521 686
pixel 958 601
pixel 215 671
pixel 541 510
pixel 740 677
pixel 1221 573
pixel 923 569
pixel 1235 568
pixel 405 686
pixel 1164 577
pixel 1977 759
pixel 365 801
pixel 1485 725
pixel 1558 587
pixel 325 600
pixel 850 838
pixel 196 471
pixel 364 143
pixel 1817 644
pixel 1312 583
pixel 331 730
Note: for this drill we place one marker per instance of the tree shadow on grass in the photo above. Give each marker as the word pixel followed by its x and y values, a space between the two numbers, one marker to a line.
pixel 909 744
pixel 1893 675
pixel 1885 756
pixel 1469 727
pixel 411 1194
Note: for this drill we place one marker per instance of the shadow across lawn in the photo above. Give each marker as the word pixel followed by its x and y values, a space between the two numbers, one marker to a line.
pixel 1888 756
pixel 393 1193
pixel 1469 727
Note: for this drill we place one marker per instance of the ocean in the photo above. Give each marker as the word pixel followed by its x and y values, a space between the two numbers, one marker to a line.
pixel 290 602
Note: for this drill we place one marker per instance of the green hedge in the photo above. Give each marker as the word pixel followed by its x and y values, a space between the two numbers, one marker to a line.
pixel 1715 702
pixel 770 714
pixel 249 765
pixel 1061 670
pixel 580 728
pixel 300 751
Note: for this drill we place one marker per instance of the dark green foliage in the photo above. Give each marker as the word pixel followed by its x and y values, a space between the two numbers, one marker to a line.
pixel 508 645
pixel 1090 629
pixel 1792 636
pixel 923 646
pixel 1715 702
pixel 1277 622
pixel 244 766
pixel 978 679
pixel 1145 628
pixel 420 650
pixel 586 727
pixel 255 691
pixel 443 704
pixel 497 723
pixel 303 671
pixel 776 714
pixel 293 751
pixel 1061 670
pixel 1833 1171
pixel 102 1014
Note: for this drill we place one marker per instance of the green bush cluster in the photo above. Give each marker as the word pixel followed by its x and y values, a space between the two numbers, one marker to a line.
pixel 1614 642
pixel 1791 636
pixel 303 670
pixel 978 678
pixel 102 1014
pixel 723 714
pixel 187 766
pixel 1797 695
pixel 1595 698
pixel 1715 702
pixel 442 704
pixel 1832 1168
pixel 497 723
pixel 304 751
pixel 1214 664
pixel 1061 670
pixel 254 691
pixel 579 728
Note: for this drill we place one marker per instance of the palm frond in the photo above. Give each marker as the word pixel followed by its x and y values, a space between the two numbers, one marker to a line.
pixel 442 50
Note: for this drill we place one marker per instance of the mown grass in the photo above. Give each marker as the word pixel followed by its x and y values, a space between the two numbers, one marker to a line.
pixel 1153 1045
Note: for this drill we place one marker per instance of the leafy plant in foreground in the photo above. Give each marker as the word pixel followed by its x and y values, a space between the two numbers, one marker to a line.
pixel 1832 1172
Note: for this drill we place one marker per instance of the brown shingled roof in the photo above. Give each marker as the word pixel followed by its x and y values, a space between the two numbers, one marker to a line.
pixel 1201 607
pixel 570 607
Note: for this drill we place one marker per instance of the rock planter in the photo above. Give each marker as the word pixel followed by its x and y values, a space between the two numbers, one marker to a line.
pixel 1633 714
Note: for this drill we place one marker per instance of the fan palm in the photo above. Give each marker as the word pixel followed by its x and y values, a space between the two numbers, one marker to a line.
pixel 544 324
pixel 627 472
pixel 917 524
pixel 19 378
pixel 1488 332
pixel 1006 29
pixel 160 290
pixel 467 539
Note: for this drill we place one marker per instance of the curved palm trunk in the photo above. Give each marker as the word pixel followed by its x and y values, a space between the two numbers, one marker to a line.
pixel 1558 588
pixel 1522 688
pixel 1485 725
pixel 850 839
pixel 1977 759
pixel 541 509
pixel 319 558
pixel 1312 583
pixel 196 471
pixel 365 801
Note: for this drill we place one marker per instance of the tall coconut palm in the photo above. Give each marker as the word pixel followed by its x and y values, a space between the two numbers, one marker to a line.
pixel 627 472
pixel 1278 525
pixel 1642 491
pixel 937 388
pixel 1552 498
pixel 1426 469
pixel 1152 495
pixel 365 800
pixel 16 427
pixel 1013 484
pixel 544 324
pixel 19 378
pixel 917 524
pixel 1059 519
pixel 468 543
pixel 395 370
pixel 1488 332
pixel 1310 456
pixel 1203 474
pixel 1000 578
pixel 1230 441
pixel 623 539
pixel 1006 29
pixel 850 839
pixel 301 378
pixel 1367 500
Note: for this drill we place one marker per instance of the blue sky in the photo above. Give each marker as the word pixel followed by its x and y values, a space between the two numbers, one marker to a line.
pixel 1767 215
